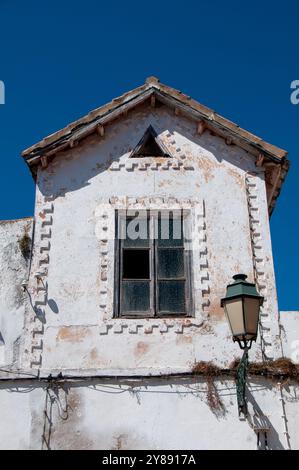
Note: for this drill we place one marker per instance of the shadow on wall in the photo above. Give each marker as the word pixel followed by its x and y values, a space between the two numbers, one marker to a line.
pixel 53 306
pixel 39 311
pixel 2 349
pixel 59 424
pixel 266 440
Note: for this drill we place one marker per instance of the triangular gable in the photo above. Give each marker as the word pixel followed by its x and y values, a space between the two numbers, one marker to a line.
pixel 152 90
pixel 272 158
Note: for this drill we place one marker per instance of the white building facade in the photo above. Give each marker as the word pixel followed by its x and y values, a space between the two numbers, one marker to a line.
pixel 100 335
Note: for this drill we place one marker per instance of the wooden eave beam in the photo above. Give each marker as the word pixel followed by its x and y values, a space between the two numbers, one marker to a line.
pixel 260 160
pixel 101 130
pixel 201 127
pixel 44 162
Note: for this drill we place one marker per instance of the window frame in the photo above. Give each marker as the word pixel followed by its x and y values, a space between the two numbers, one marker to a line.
pixel 120 217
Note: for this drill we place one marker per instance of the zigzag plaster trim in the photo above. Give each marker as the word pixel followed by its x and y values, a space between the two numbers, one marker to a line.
pixel 106 229
pixel 259 264
pixel 131 165
pixel 144 326
pixel 41 291
pixel 177 162
pixel 200 246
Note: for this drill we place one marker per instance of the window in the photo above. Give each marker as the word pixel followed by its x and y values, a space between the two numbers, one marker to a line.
pixel 150 146
pixel 152 265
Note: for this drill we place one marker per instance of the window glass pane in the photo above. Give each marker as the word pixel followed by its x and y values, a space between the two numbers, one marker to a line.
pixel 135 296
pixel 172 296
pixel 136 264
pixel 135 231
pixel 170 231
pixel 170 263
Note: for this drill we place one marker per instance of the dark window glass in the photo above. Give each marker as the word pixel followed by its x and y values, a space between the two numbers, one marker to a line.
pixel 150 148
pixel 170 231
pixel 136 232
pixel 135 296
pixel 171 296
pixel 171 263
pixel 136 264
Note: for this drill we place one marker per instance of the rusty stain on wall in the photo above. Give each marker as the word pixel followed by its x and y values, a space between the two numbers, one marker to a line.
pixel 141 348
pixel 72 334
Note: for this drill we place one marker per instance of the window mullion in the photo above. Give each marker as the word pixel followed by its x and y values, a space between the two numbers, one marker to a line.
pixel 120 261
pixel 153 263
pixel 188 263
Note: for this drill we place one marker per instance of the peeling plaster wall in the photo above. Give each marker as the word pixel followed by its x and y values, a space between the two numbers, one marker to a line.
pixel 14 269
pixel 74 326
pixel 69 325
pixel 154 414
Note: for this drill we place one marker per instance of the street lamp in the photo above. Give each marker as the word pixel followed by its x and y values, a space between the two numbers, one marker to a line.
pixel 242 307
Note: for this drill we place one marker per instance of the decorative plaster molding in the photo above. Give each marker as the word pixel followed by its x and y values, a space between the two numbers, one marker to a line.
pixel 148 203
pixel 41 291
pixel 259 264
pixel 105 214
pixel 177 162
pixel 149 326
pixel 202 277
pixel 143 165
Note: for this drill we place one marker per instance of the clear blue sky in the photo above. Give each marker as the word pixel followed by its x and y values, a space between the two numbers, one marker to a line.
pixel 60 59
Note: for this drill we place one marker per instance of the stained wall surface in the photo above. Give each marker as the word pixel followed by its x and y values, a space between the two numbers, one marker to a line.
pixel 14 269
pixel 152 414
pixel 64 323
pixel 77 195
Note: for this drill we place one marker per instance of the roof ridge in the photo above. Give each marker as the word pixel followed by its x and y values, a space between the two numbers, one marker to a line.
pixel 104 113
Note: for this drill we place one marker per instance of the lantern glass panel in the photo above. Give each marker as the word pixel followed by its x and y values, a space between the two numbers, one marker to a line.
pixel 251 310
pixel 234 311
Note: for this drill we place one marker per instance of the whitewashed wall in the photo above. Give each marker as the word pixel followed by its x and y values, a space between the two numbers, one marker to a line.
pixel 154 414
pixel 65 322
pixel 226 195
pixel 13 270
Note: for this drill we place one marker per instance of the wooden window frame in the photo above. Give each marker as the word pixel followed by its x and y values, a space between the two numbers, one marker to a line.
pixel 153 248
